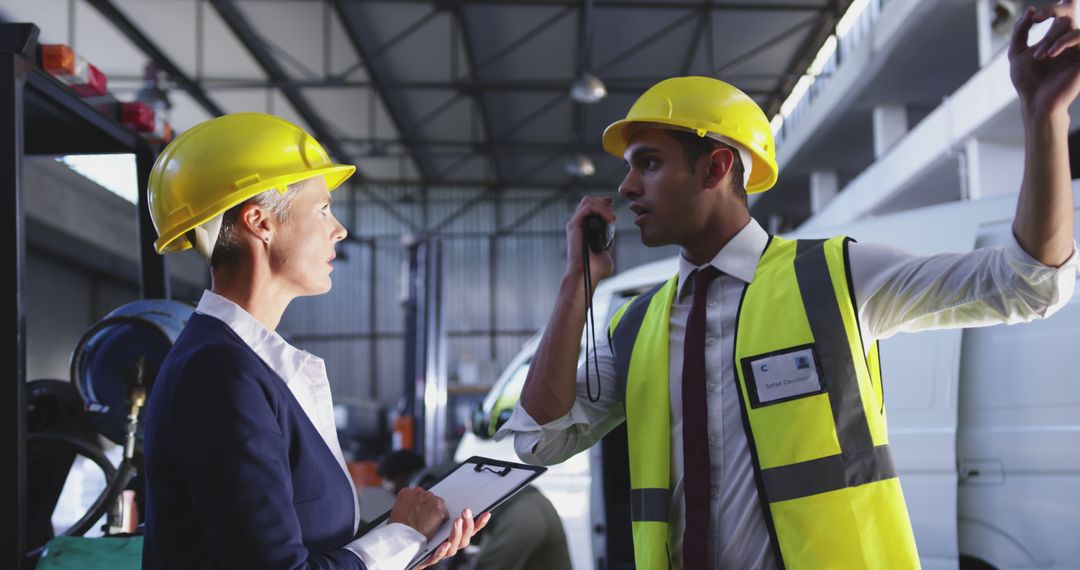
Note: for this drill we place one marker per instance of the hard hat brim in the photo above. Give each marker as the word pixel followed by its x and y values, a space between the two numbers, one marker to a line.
pixel 762 173
pixel 176 239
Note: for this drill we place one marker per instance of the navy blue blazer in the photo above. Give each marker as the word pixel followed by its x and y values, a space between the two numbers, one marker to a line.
pixel 237 476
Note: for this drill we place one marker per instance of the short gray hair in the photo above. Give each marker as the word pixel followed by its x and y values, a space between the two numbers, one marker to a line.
pixel 227 247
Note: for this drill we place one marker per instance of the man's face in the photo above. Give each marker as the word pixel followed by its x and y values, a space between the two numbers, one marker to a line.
pixel 303 248
pixel 665 196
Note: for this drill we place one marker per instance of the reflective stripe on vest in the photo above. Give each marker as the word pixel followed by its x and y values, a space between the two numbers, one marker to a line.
pixel 825 477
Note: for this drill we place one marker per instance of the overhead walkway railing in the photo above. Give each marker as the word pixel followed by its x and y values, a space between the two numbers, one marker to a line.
pixel 852 30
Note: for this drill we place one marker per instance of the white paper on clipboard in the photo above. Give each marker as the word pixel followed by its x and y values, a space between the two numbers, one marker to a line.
pixel 479 484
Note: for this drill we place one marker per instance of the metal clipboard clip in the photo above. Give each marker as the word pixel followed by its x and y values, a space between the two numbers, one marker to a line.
pixel 503 472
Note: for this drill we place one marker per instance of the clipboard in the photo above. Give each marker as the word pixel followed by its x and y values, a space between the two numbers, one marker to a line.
pixel 479 483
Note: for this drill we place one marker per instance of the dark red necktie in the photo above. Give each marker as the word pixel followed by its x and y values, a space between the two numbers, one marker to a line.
pixel 697 473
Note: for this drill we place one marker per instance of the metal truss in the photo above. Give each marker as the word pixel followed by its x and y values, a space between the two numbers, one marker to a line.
pixel 377 71
pixel 472 83
pixel 255 45
pixel 148 47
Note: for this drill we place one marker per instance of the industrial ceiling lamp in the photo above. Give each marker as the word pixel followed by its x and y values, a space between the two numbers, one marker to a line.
pixel 580 166
pixel 587 88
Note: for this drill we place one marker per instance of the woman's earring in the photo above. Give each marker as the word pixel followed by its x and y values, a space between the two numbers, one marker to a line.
pixel 266 239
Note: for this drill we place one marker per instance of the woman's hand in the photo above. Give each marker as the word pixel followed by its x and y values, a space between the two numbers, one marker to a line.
pixel 461 534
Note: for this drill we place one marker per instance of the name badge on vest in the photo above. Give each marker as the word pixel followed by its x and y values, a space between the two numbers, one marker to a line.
pixel 783 375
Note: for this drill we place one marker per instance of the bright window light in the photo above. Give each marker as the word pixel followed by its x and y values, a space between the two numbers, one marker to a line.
pixel 824 55
pixel 777 122
pixel 850 17
pixel 797 92
pixel 115 172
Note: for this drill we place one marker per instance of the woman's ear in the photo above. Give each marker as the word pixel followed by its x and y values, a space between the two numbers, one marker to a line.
pixel 718 165
pixel 257 221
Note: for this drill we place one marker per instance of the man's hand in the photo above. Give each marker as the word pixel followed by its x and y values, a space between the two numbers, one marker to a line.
pixel 460 534
pixel 1047 79
pixel 601 264
pixel 1046 75
pixel 419 509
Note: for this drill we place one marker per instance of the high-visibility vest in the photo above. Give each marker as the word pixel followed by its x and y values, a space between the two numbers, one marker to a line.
pixel 812 409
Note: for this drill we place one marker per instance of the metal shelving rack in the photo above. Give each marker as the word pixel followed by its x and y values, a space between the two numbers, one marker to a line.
pixel 41 116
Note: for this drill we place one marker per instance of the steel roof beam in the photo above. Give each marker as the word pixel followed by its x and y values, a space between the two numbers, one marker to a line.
pixel 255 45
pixel 766 45
pixel 489 194
pixel 695 40
pixel 393 41
pixel 475 85
pixel 378 72
pixel 555 101
pixel 474 82
pixel 465 145
pixel 525 38
pixel 148 47
pixel 727 7
pixel 646 42
pixel 512 184
pixel 464 87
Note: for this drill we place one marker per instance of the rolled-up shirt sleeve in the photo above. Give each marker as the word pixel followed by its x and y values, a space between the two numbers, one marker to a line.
pixel 586 422
pixel 900 292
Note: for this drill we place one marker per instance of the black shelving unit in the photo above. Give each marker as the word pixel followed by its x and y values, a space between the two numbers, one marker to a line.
pixel 41 116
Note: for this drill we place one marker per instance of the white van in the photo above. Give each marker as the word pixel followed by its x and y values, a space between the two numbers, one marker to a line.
pixel 984 423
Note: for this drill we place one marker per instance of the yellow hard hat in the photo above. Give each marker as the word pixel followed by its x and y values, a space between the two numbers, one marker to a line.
pixel 705 106
pixel 222 162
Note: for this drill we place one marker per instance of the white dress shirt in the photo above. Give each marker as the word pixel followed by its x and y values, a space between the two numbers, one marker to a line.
pixel 895 291
pixel 390 547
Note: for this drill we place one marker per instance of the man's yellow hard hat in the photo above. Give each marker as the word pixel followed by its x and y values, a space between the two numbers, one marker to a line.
pixel 705 106
pixel 222 162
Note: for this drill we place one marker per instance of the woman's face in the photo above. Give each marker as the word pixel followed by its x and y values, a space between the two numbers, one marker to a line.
pixel 302 251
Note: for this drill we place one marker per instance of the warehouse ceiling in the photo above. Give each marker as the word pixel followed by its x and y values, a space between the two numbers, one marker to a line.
pixel 444 93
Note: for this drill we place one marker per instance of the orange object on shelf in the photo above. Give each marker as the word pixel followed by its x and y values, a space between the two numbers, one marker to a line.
pixel 58 58
pixel 403 433
pixel 162 132
pixel 61 62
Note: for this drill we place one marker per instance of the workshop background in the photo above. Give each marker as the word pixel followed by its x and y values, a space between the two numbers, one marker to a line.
pixel 475 126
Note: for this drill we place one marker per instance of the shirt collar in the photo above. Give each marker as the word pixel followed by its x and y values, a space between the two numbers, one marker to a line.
pixel 283 358
pixel 738 258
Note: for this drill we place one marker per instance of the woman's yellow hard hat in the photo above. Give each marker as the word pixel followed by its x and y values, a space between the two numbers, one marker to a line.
pixel 222 162
pixel 704 105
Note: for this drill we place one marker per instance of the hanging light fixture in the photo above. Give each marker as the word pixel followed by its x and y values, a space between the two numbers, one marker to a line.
pixel 580 166
pixel 588 89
